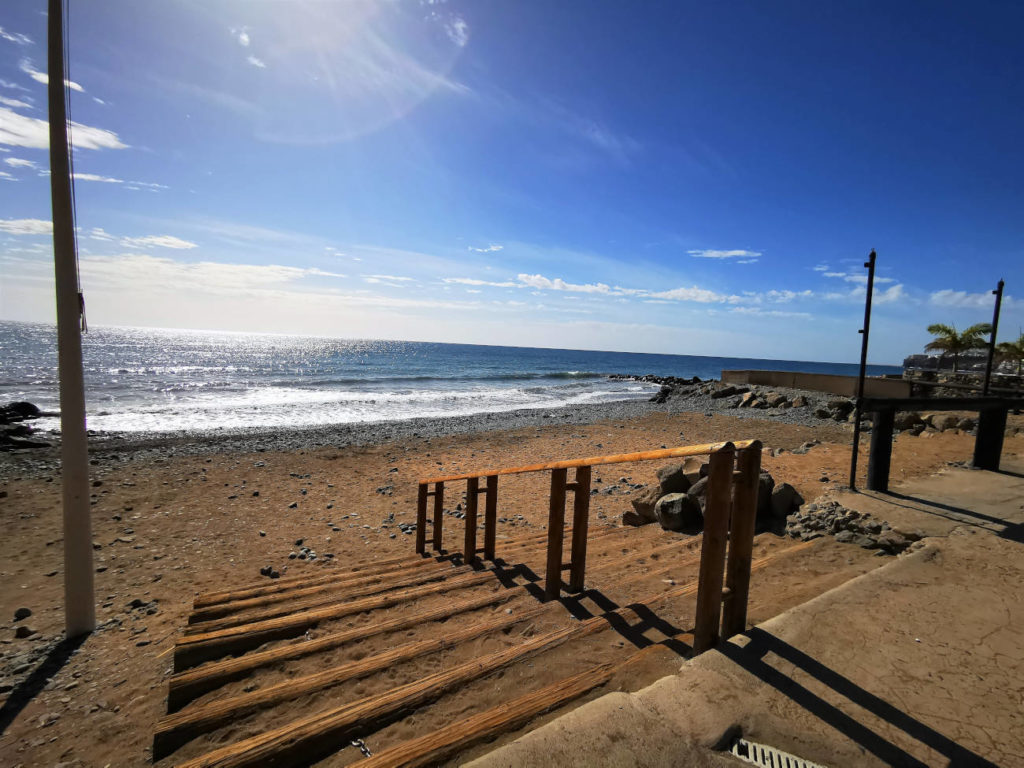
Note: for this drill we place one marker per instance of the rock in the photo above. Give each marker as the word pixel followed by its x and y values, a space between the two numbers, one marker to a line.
pixel 22 613
pixel 679 512
pixel 840 406
pixel 822 413
pixel 699 491
pixel 663 394
pixel 748 399
pixel 944 421
pixel 916 430
pixel 23 631
pixel 784 499
pixel 632 518
pixel 967 424
pixel 799 401
pixel 726 391
pixel 845 537
pixel 907 420
pixel 643 506
pixel 765 486
pixel 694 469
pixel 774 399
pixel 673 479
pixel 18 411
pixel 892 542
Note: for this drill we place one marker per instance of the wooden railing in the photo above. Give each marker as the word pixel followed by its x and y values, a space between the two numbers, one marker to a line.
pixel 729 517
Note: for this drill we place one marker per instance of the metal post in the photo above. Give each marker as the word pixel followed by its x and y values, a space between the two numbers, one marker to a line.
pixel 491 516
pixel 438 516
pixel 469 541
pixel 988 445
pixel 998 292
pixel 880 460
pixel 421 520
pixel 870 264
pixel 79 603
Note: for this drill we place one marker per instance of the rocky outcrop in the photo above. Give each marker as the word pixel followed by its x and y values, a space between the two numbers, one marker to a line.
pixel 14 432
pixel 830 518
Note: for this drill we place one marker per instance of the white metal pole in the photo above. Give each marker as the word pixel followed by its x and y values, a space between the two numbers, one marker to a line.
pixel 80 607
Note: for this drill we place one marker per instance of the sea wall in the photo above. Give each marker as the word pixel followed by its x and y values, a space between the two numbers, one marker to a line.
pixel 820 382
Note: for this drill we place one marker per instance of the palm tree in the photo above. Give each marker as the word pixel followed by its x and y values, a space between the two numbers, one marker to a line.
pixel 949 341
pixel 1012 351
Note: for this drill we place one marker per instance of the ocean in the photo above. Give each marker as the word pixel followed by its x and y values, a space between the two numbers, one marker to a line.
pixel 160 381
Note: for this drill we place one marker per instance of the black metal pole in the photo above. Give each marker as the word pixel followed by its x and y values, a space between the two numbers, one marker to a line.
pixel 992 339
pixel 870 264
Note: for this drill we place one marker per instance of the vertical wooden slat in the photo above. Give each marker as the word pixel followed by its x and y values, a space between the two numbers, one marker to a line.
pixel 712 555
pixel 469 543
pixel 438 515
pixel 491 517
pixel 556 524
pixel 741 540
pixel 421 520
pixel 580 525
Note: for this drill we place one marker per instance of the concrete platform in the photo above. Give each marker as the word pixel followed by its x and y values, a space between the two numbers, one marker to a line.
pixel 919 663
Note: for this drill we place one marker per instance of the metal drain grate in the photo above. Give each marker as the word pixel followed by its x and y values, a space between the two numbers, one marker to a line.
pixel 768 757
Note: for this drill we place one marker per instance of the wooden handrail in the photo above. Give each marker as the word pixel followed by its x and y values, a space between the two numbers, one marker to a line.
pixel 619 458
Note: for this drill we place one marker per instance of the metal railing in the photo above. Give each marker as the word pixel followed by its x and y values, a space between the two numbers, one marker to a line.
pixel 729 518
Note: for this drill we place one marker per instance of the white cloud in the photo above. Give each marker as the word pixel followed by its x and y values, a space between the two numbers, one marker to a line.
pixel 858 278
pixel 242 36
pixel 821 268
pixel 26 226
pixel 558 284
pixel 256 62
pixel 15 37
pixel 112 180
pixel 7 176
pixel 98 233
pixel 14 103
pixel 18 162
pixel 693 293
pixel 963 299
pixel 890 295
pixel 42 77
pixel 474 281
pixel 158 241
pixel 22 131
pixel 13 86
pixel 489 249
pixel 393 278
pixel 458 31
pixel 767 312
pixel 748 256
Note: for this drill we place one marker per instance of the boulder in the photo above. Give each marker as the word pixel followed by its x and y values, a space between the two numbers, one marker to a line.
pixel 679 512
pixel 784 499
pixel 695 468
pixel 907 420
pixel 774 399
pixel 725 391
pixel 663 394
pixel 822 413
pixel 799 401
pixel 840 406
pixel 673 479
pixel 699 491
pixel 765 486
pixel 643 505
pixel 748 399
pixel 967 424
pixel 20 410
pixel 944 421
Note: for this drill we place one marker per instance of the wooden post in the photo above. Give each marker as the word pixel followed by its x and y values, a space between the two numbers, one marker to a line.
pixel 421 520
pixel 469 543
pixel 556 523
pixel 712 554
pixel 988 445
pixel 580 525
pixel 741 540
pixel 438 515
pixel 882 424
pixel 490 516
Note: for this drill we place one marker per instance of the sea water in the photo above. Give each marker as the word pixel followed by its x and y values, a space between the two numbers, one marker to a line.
pixel 156 380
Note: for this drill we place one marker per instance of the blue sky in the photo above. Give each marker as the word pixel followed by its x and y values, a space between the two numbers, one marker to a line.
pixel 696 178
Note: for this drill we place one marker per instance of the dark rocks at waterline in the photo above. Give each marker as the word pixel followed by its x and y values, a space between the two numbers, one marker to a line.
pixel 14 433
pixel 19 411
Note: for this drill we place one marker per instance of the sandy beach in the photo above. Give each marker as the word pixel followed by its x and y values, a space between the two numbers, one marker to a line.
pixel 176 516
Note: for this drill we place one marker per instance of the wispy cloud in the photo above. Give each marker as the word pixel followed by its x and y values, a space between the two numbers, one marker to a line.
pixel 14 103
pixel 695 294
pixel 748 257
pixel 241 35
pixel 458 31
pixel 965 300
pixel 15 37
pixel 256 62
pixel 857 278
pixel 18 162
pixel 558 284
pixel 13 86
pixel 487 283
pixel 112 180
pixel 393 278
pixel 158 241
pixel 6 176
pixel 821 268
pixel 26 226
pixel 22 131
pixel 489 249
pixel 41 77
